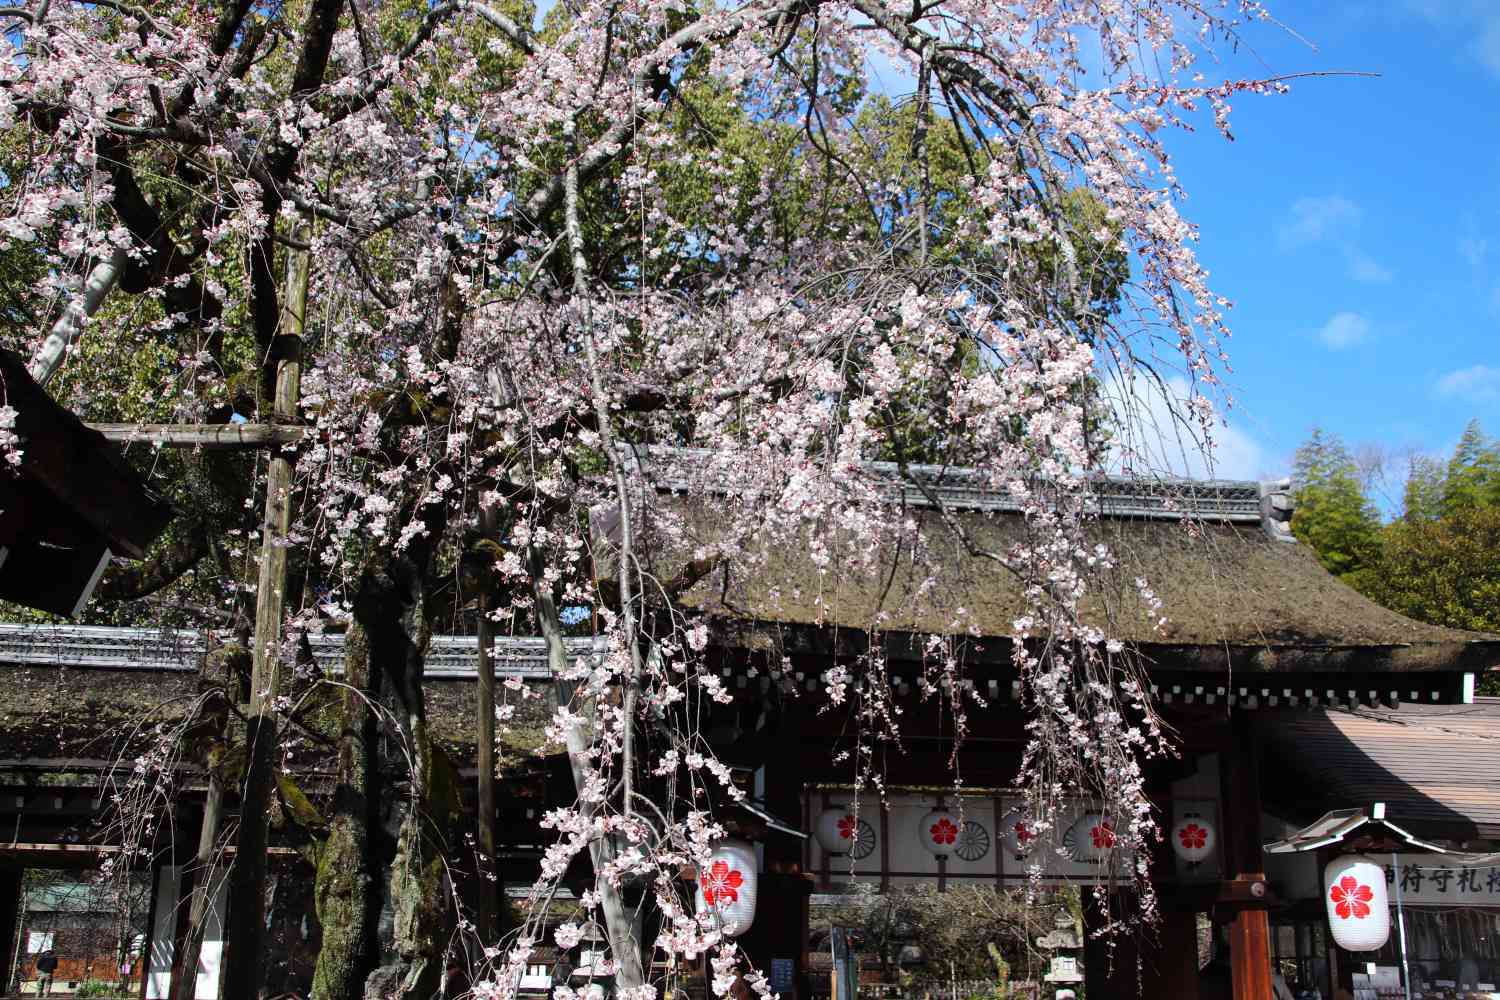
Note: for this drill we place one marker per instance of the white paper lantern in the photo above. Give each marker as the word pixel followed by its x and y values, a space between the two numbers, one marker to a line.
pixel 837 830
pixel 1017 833
pixel 1359 912
pixel 727 886
pixel 1091 838
pixel 938 832
pixel 1194 838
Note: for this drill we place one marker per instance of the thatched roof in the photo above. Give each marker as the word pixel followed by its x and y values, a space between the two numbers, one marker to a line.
pixel 1233 590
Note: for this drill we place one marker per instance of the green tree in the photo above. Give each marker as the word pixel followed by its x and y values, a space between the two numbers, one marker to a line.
pixel 1444 571
pixel 1440 562
pixel 1423 497
pixel 1473 474
pixel 1333 514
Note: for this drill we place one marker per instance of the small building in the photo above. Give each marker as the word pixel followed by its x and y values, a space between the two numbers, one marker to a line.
pixel 95 933
pixel 1432 769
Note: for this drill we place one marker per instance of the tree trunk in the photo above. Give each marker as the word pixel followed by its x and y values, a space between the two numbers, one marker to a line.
pixel 487 917
pixel 392 608
pixel 346 891
pixel 625 945
pixel 69 327
pixel 244 963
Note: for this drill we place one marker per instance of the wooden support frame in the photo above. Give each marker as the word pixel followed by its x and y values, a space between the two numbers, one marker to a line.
pixel 221 436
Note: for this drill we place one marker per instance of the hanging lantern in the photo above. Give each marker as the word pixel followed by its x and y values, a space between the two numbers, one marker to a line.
pixel 727 886
pixel 1359 911
pixel 1091 838
pixel 938 832
pixel 836 830
pixel 1017 833
pixel 1193 839
pixel 840 832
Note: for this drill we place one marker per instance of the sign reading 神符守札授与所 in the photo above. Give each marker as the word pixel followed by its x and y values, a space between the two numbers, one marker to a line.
pixel 1437 878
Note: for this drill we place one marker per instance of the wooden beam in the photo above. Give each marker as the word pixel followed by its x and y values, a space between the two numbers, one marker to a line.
pixel 203 435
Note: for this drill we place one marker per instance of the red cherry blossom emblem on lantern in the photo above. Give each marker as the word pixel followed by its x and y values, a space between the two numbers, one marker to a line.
pixel 944 831
pixel 1103 836
pixel 721 883
pixel 1193 837
pixel 847 827
pixel 1350 898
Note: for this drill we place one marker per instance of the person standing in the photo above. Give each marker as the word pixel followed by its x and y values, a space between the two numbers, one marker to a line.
pixel 46 966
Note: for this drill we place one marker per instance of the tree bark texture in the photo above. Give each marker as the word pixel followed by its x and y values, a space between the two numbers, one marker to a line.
pixel 381 891
pixel 487 891
pixel 346 893
pixel 419 814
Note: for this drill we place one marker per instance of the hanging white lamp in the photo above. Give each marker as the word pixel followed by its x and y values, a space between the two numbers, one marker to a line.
pixel 1194 839
pixel 727 886
pixel 1092 837
pixel 1017 833
pixel 836 830
pixel 1359 911
pixel 938 832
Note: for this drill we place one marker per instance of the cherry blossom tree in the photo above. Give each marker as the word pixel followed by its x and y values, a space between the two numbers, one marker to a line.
pixel 485 290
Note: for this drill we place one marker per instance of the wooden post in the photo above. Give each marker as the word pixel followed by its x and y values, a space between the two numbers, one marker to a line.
pixel 1249 929
pixel 185 980
pixel 1171 962
pixel 245 962
pixel 10 911
pixel 488 922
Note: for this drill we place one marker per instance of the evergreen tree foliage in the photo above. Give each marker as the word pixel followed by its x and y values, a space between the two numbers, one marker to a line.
pixel 1423 498
pixel 1439 562
pixel 1333 515
pixel 1473 474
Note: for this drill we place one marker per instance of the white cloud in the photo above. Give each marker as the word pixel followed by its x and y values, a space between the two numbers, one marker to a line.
pixel 1344 329
pixel 1487 45
pixel 1316 219
pixel 1332 220
pixel 1155 436
pixel 1476 384
pixel 1475 22
pixel 1364 268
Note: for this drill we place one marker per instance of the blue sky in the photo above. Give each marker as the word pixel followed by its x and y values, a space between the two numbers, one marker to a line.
pixel 1355 223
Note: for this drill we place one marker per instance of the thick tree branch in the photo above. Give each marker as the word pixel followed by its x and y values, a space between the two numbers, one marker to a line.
pixel 136 580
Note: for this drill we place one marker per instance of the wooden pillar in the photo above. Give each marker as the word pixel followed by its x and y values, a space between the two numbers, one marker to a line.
pixel 10 909
pixel 1112 967
pixel 1171 962
pixel 161 943
pixel 1245 894
pixel 776 941
pixel 779 934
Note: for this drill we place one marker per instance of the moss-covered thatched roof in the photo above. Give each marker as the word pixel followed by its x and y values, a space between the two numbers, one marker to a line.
pixel 1221 584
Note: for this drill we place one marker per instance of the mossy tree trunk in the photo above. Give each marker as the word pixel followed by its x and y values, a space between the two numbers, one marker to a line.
pixel 346 893
pixel 380 885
